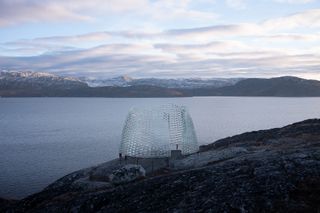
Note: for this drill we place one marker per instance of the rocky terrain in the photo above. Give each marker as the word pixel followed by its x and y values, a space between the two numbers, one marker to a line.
pixel 276 170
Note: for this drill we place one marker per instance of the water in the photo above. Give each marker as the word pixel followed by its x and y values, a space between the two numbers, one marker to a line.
pixel 43 139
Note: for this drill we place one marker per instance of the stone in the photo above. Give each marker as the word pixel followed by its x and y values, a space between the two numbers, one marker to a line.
pixel 127 173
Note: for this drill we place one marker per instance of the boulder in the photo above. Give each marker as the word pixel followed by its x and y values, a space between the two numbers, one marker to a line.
pixel 127 174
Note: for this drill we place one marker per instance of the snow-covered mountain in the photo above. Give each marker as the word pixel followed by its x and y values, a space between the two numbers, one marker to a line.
pixel 35 84
pixel 185 83
pixel 27 79
pixel 120 81
pixel 15 79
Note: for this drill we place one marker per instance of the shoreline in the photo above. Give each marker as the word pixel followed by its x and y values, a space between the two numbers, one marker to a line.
pixel 242 153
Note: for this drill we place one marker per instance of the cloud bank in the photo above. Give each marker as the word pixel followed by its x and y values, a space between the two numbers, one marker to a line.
pixel 280 45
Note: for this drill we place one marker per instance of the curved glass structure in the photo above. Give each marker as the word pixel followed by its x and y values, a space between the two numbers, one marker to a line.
pixel 155 132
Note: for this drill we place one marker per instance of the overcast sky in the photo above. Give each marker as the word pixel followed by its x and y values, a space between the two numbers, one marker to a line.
pixel 162 38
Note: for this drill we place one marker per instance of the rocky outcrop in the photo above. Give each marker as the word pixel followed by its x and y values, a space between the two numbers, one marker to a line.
pixel 127 173
pixel 305 131
pixel 6 204
pixel 275 170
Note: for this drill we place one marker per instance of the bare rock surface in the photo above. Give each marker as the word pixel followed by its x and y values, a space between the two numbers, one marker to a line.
pixel 202 158
pixel 127 173
pixel 276 170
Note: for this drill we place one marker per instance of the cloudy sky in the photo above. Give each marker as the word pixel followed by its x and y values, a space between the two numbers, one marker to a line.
pixel 162 38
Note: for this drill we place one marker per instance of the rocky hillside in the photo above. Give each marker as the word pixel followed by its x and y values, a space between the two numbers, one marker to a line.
pixel 276 170
pixel 37 80
pixel 36 84
pixel 283 86
pixel 278 87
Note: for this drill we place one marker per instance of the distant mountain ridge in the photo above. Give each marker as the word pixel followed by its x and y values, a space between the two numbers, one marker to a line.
pixel 281 86
pixel 186 83
pixel 14 79
pixel 120 81
pixel 32 84
pixel 286 86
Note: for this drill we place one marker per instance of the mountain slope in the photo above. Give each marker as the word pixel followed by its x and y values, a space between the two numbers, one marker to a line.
pixel 278 87
pixel 37 80
pixel 31 84
pixel 120 81
pixel 36 84
pixel 283 86
pixel 182 83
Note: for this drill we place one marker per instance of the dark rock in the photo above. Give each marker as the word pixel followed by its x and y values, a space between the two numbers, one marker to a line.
pixel 6 204
pixel 127 173
pixel 300 132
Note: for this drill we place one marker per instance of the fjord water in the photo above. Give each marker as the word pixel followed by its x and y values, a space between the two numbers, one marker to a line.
pixel 43 139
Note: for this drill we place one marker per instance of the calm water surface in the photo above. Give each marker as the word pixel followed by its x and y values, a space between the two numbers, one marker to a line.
pixel 42 139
